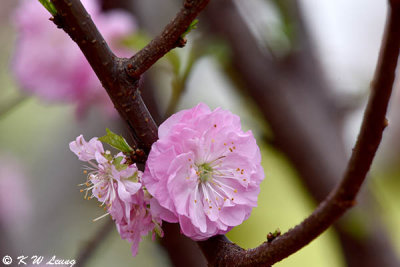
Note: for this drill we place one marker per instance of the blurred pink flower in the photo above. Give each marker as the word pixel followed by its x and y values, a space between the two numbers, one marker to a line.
pixel 204 171
pixel 46 63
pixel 118 186
pixel 15 201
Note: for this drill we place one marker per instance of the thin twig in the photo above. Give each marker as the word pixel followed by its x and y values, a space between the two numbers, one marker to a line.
pixel 169 39
pixel 343 196
pixel 93 244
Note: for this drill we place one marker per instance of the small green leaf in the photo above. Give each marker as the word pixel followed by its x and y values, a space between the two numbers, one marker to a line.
pixel 108 156
pixel 116 141
pixel 117 163
pixel 49 6
pixel 192 26
pixel 117 160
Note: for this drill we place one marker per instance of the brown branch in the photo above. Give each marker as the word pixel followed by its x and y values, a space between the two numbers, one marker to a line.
pixel 73 18
pixel 113 71
pixel 169 39
pixel 343 196
pixel 124 93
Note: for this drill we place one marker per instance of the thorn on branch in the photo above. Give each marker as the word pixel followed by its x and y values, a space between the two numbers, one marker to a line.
pixel 385 123
pixel 57 21
pixel 272 236
pixel 131 70
pixel 181 42
pixel 188 4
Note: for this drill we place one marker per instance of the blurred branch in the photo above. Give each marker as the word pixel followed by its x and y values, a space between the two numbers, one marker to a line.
pixel 282 89
pixel 179 84
pixel 93 244
pixel 7 245
pixel 304 118
pixel 182 250
pixel 343 196
pixel 11 104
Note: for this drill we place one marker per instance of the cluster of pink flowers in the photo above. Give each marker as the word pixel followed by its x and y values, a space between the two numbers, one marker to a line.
pixel 117 185
pixel 49 65
pixel 204 172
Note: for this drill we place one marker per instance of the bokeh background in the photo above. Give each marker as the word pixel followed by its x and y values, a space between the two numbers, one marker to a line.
pixel 42 211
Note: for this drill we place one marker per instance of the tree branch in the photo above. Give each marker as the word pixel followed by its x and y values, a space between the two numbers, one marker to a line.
pixel 296 103
pixel 343 196
pixel 92 245
pixel 169 39
pixel 123 90
pixel 113 71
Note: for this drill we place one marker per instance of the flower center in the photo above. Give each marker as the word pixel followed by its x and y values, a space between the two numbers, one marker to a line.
pixel 204 171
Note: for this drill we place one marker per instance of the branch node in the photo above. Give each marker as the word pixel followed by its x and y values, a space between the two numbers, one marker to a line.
pixel 188 4
pixel 181 42
pixel 385 123
pixel 271 236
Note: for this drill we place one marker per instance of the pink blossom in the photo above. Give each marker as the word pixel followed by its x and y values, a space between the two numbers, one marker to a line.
pixel 137 222
pixel 109 177
pixel 46 63
pixel 117 185
pixel 204 171
pixel 86 150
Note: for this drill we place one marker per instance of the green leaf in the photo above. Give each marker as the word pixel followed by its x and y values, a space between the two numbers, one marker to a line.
pixel 117 161
pixel 192 26
pixel 49 6
pixel 116 141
